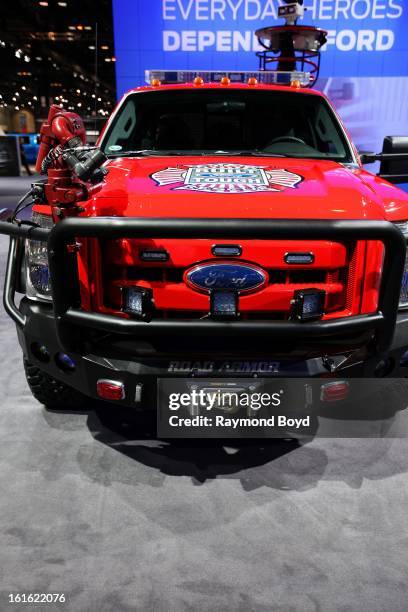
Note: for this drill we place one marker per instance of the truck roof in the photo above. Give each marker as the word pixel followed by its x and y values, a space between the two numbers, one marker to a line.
pixel 209 85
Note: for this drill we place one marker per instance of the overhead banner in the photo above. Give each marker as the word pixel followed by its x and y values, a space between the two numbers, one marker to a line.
pixel 367 39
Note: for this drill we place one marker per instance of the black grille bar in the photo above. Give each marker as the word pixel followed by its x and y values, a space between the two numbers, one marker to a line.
pixel 265 229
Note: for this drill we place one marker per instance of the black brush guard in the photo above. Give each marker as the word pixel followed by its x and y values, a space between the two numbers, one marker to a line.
pixel 70 319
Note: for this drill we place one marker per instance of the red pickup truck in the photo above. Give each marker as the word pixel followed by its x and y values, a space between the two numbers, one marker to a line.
pixel 219 229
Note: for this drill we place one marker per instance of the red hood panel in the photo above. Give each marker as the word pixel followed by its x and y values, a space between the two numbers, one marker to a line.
pixel 249 187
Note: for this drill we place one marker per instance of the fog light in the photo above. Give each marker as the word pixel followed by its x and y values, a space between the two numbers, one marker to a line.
pixel 334 391
pixel 224 304
pixel 110 390
pixel 137 301
pixel 64 362
pixel 308 304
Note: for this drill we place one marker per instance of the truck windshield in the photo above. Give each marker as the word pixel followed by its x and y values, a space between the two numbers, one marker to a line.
pixel 236 122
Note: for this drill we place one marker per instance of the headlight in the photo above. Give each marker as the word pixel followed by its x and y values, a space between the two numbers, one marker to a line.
pixel 38 274
pixel 403 226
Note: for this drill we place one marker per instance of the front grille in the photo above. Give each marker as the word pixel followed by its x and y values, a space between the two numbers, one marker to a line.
pixel 336 270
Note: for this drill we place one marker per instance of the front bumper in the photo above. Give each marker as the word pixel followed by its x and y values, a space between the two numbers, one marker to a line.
pixel 139 372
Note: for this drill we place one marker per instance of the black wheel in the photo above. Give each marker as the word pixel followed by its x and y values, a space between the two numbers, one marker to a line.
pixel 51 392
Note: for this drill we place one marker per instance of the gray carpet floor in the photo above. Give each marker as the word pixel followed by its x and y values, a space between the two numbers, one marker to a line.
pixel 98 509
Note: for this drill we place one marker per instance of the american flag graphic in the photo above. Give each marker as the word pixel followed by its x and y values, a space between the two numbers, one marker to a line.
pixel 227 178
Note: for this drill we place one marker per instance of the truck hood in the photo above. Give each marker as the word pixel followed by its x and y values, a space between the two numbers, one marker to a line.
pixel 245 187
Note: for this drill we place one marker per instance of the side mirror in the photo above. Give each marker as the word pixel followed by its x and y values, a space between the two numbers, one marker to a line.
pixel 394 170
pixel 367 158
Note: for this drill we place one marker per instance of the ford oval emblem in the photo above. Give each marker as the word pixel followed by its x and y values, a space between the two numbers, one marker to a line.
pixel 242 277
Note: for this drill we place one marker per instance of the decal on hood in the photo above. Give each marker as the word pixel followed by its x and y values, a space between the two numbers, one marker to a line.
pixel 227 178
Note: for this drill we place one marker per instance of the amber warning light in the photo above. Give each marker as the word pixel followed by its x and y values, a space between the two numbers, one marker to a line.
pixel 155 78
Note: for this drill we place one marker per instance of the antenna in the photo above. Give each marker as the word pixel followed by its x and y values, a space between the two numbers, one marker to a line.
pixel 96 73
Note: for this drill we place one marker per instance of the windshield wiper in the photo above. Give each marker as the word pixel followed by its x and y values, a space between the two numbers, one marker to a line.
pixel 145 153
pixel 261 154
pixel 141 153
pixel 164 153
pixel 222 153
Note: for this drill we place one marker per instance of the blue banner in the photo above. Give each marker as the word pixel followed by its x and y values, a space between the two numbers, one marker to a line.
pixel 362 63
pixel 365 37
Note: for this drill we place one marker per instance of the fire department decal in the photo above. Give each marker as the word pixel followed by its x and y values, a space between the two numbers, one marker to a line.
pixel 227 178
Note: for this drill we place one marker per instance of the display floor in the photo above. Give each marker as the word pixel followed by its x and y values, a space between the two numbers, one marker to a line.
pixel 98 509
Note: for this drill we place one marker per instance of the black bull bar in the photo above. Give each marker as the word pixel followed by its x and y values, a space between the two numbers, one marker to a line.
pixel 69 316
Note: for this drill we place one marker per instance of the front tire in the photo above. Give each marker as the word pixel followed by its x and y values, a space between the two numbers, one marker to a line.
pixel 52 393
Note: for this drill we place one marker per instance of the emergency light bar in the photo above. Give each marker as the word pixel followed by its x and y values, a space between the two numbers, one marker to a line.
pixel 171 77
